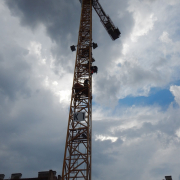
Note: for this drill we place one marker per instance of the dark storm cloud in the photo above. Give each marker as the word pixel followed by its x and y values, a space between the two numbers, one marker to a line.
pixel 28 111
pixel 59 17
pixel 62 17
pixel 30 140
pixel 100 157
pixel 61 20
pixel 13 70
pixel 123 159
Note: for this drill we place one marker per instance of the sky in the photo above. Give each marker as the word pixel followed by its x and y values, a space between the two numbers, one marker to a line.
pixel 136 92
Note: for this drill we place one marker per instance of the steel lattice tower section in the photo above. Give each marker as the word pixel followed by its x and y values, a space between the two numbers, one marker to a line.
pixel 77 155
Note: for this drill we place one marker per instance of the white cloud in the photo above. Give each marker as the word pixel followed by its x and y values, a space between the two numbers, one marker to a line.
pixel 65 96
pixel 178 133
pixel 176 92
pixel 104 138
pixel 173 2
pixel 55 83
pixel 125 49
pixel 165 38
pixel 143 16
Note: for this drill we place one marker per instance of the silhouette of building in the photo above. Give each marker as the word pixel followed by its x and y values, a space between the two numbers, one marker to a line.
pixel 44 175
pixel 168 177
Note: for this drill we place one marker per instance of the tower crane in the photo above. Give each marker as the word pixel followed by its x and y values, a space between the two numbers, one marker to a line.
pixel 78 148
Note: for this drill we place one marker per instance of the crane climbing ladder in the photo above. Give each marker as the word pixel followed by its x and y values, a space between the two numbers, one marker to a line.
pixel 78 147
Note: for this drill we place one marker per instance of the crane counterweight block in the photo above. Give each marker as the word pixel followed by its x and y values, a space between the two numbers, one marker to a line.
pixel 113 32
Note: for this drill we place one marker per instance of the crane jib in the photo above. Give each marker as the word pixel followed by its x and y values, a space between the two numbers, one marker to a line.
pixel 113 31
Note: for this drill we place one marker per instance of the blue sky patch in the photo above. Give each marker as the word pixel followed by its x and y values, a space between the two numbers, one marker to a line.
pixel 177 83
pixel 161 97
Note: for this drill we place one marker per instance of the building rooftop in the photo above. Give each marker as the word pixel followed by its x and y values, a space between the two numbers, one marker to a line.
pixel 43 175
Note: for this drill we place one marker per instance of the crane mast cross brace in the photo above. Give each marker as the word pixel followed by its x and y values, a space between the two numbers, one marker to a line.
pixel 77 154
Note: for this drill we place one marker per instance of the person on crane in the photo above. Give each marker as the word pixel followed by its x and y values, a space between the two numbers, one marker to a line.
pixel 94 69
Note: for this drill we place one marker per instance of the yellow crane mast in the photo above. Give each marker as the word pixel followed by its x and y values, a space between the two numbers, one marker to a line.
pixel 77 154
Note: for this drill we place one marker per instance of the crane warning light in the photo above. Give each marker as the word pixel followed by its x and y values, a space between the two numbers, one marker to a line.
pixel 94 45
pixel 73 48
